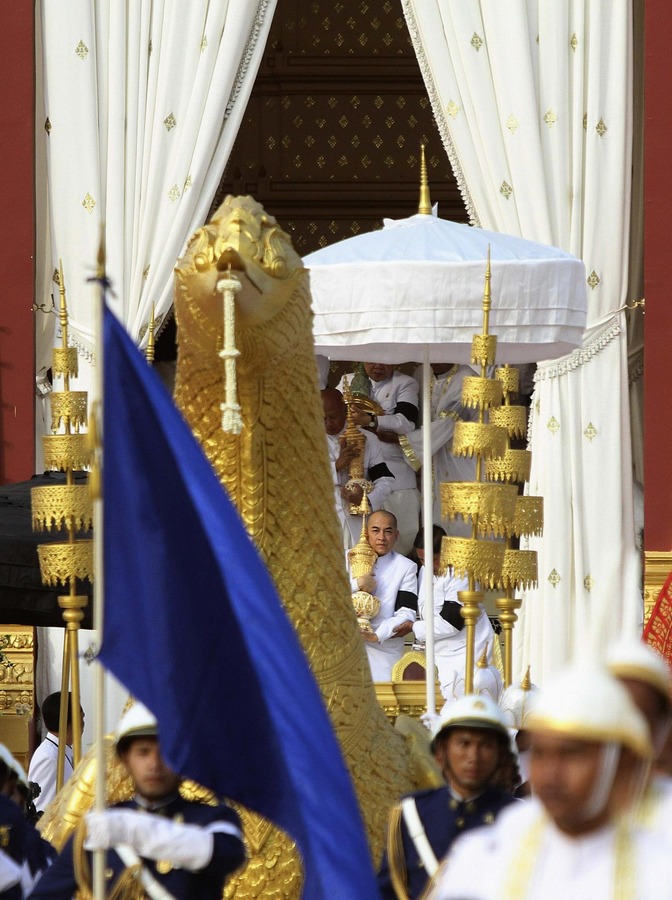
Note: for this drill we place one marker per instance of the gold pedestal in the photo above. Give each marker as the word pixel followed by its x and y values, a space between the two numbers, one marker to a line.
pixel 507 606
pixel 470 612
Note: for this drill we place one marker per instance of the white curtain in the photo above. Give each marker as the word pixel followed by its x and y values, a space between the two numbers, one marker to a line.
pixel 534 105
pixel 140 106
pixel 143 101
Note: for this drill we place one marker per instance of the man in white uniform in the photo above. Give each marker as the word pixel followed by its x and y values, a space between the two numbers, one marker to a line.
pixel 375 469
pixel 590 746
pixel 397 395
pixel 446 407
pixel 646 676
pixel 394 583
pixel 450 633
pixel 43 765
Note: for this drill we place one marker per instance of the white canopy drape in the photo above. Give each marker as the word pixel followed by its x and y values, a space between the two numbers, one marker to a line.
pixel 141 104
pixel 534 105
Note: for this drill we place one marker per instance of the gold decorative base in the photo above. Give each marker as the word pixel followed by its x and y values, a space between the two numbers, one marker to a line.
pixel 657 568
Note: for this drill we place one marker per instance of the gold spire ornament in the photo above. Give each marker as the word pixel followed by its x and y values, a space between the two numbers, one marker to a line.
pixel 353 438
pixel 492 514
pixel 361 559
pixel 425 203
pixel 67 509
pixel 151 342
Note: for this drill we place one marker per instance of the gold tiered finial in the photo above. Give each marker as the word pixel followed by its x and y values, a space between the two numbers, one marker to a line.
pixel 498 513
pixel 513 468
pixel 66 508
pixel 526 683
pixel 425 204
pixel 149 352
pixel 361 559
pixel 353 437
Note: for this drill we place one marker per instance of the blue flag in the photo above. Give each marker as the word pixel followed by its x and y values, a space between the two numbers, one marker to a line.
pixel 194 629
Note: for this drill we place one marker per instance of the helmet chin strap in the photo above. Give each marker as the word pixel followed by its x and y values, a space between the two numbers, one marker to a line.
pixel 597 802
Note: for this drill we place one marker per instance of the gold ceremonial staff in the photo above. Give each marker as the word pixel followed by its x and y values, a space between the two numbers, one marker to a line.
pixel 490 505
pixel 66 508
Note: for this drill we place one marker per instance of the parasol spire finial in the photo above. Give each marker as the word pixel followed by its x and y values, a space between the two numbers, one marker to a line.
pixel 425 204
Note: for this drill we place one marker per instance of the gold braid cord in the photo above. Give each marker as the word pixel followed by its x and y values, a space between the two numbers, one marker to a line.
pixel 395 854
pixel 277 473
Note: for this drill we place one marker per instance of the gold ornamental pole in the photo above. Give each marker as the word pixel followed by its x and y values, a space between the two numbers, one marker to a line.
pixel 66 508
pixel 520 566
pixel 480 558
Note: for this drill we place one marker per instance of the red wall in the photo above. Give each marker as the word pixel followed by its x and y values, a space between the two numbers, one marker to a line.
pixel 658 278
pixel 17 405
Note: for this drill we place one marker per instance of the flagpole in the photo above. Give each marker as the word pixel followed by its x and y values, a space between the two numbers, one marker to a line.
pixel 428 520
pixel 100 794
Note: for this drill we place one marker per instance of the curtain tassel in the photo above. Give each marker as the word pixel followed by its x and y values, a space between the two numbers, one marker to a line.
pixel 232 422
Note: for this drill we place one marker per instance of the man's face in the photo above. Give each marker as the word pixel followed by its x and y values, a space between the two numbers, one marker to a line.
pixel 563 773
pixel 151 776
pixel 436 559
pixel 381 533
pixel 468 758
pixel 335 412
pixel 378 371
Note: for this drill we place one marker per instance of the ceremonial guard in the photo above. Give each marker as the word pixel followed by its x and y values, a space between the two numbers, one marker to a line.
pixel 158 844
pixel 574 838
pixel 471 742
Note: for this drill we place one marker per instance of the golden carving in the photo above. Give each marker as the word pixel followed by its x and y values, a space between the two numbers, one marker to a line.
pixel 481 393
pixel 513 418
pixel 476 439
pixel 529 516
pixel 510 378
pixel 514 465
pixel 491 507
pixel 484 349
pixel 64 361
pixel 65 451
pixel 61 561
pixel 61 506
pixel 481 559
pixel 68 408
pixel 519 569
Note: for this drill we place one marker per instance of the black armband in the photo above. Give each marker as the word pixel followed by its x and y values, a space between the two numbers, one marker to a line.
pixel 407 599
pixel 411 412
pixel 450 611
pixel 380 470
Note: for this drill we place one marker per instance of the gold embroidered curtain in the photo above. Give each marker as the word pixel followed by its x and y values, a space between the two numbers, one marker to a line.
pixel 534 105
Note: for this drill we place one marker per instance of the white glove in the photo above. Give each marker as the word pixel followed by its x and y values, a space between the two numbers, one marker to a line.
pixel 153 837
pixel 10 872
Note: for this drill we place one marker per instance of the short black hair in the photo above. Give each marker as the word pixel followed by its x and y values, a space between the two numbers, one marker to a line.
pixel 51 711
pixel 438 535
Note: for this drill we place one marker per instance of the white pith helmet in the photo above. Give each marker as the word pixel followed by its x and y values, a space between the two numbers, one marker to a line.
pixel 586 703
pixel 137 721
pixel 472 711
pixel 632 658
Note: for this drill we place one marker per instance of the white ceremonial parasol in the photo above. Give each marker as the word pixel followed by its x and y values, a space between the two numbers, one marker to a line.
pixel 414 291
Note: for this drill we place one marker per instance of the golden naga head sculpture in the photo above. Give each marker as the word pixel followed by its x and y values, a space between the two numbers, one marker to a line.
pixel 244 239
